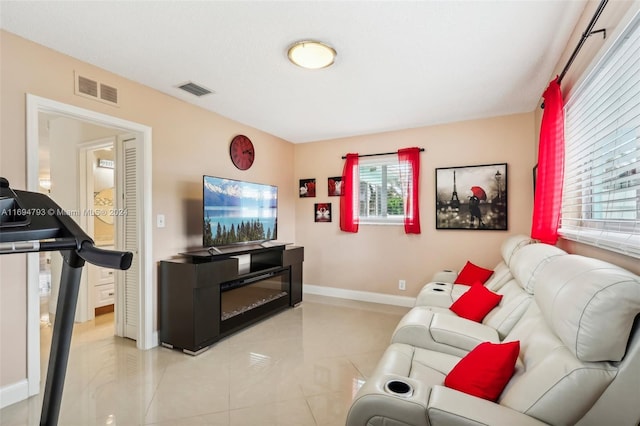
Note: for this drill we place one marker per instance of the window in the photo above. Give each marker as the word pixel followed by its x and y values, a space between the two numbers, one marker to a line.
pixel 601 195
pixel 380 191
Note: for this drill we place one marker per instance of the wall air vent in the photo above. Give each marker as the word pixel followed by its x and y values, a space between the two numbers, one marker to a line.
pixel 108 93
pixel 87 87
pixel 195 89
pixel 94 89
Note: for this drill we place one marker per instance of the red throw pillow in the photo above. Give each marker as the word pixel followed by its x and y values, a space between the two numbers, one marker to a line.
pixel 485 371
pixel 472 273
pixel 475 303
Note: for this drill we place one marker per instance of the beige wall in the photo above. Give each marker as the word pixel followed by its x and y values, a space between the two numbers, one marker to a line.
pixel 187 143
pixel 376 257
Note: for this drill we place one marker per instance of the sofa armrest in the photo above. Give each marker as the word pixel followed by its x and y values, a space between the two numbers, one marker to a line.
pixel 449 334
pixel 436 294
pixel 453 408
pixel 375 405
pixel 445 276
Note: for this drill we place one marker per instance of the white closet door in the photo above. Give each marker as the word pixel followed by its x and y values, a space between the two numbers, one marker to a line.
pixel 131 239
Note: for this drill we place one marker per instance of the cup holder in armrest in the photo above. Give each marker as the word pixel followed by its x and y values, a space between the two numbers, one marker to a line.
pixel 399 388
pixel 437 289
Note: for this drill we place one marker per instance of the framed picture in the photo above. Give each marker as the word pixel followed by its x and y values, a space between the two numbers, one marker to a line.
pixel 334 186
pixel 307 188
pixel 322 212
pixel 472 197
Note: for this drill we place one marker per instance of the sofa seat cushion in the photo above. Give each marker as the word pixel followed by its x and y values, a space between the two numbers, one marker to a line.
pixel 513 305
pixel 421 327
pixel 458 290
pixel 431 366
pixel 501 274
pixel 421 365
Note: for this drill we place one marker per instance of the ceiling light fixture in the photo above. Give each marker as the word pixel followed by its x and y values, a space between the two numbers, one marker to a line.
pixel 311 54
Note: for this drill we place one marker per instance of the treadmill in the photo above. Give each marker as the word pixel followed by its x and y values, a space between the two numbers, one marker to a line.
pixel 32 222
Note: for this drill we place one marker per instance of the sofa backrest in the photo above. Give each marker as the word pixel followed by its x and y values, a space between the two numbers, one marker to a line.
pixel 517 292
pixel 502 273
pixel 575 345
pixel 513 305
pixel 590 304
pixel 619 402
pixel 512 244
pixel 528 262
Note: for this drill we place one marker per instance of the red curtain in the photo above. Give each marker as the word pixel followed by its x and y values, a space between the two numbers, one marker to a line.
pixel 409 159
pixel 548 194
pixel 349 214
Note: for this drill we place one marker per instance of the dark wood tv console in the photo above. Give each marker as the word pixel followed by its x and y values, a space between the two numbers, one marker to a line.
pixel 204 297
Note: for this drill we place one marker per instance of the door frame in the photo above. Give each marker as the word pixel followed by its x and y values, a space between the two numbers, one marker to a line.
pixel 147 338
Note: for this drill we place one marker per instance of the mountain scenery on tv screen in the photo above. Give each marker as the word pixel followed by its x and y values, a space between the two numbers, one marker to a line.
pixel 236 212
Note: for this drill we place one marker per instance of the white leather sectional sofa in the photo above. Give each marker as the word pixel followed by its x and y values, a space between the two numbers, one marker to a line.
pixel 438 328
pixel 577 324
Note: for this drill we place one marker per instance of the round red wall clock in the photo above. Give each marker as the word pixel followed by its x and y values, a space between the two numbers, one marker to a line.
pixel 242 152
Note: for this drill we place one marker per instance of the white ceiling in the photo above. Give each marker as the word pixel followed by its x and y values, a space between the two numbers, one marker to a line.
pixel 400 64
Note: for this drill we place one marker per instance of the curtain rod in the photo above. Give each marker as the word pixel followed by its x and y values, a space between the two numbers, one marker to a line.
pixel 587 33
pixel 344 157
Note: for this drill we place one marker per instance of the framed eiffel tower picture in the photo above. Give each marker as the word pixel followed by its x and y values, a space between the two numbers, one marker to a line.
pixel 472 197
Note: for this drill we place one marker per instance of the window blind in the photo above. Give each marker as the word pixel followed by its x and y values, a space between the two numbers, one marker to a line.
pixel 380 190
pixel 601 194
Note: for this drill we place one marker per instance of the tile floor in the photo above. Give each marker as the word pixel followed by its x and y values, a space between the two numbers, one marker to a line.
pixel 300 367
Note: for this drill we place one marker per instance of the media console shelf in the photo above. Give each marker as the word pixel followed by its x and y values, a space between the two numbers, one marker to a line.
pixel 207 295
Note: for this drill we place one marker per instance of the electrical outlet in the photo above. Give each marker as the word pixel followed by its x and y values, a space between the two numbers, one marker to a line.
pixel 402 285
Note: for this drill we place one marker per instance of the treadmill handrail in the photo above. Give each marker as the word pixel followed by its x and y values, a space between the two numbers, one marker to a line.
pixel 48 227
pixel 113 259
pixel 87 249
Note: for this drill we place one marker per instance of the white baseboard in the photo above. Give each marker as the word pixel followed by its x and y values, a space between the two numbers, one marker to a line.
pixel 363 296
pixel 13 393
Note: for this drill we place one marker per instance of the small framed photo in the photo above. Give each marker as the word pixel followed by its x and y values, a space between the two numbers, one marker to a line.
pixel 334 186
pixel 307 188
pixel 322 212
pixel 472 197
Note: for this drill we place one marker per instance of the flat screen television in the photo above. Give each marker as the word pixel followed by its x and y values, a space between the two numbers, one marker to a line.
pixel 236 212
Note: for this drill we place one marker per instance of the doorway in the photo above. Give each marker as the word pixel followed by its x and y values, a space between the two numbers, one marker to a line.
pixel 98 196
pixel 144 336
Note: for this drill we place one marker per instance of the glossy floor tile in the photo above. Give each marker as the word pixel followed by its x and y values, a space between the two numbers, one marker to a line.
pixel 300 367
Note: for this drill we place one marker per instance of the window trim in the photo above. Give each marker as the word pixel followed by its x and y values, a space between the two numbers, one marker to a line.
pixel 386 220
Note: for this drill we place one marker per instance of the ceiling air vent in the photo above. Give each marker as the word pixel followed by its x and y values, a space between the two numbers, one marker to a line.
pixel 94 89
pixel 195 89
